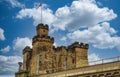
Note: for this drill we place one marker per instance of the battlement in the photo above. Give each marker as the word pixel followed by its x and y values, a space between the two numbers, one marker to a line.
pixel 43 39
pixel 26 49
pixel 42 29
pixel 78 45
pixel 60 48
pixel 42 26
pixel 44 56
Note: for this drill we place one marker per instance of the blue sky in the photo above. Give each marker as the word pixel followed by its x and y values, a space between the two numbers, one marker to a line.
pixel 96 22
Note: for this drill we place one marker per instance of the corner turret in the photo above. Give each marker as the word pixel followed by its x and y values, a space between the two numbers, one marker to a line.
pixel 27 51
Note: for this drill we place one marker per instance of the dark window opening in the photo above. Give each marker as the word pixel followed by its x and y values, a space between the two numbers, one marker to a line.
pixel 43 30
pixel 73 60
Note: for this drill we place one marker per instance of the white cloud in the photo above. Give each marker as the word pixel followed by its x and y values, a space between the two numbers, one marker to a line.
pixel 7 76
pixel 63 38
pixel 6 49
pixel 9 63
pixel 35 13
pixel 81 13
pixel 93 59
pixel 55 44
pixel 15 3
pixel 20 43
pixel 96 59
pixel 2 37
pixel 101 36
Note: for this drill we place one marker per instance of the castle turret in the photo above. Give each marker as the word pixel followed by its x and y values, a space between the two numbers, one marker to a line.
pixel 42 50
pixel 42 30
pixel 44 58
pixel 27 51
pixel 81 52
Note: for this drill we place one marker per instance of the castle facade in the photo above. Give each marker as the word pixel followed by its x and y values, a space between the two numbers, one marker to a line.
pixel 45 58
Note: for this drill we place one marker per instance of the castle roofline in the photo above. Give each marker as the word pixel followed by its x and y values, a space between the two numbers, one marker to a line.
pixel 42 38
pixel 78 45
pixel 43 26
pixel 26 49
pixel 61 47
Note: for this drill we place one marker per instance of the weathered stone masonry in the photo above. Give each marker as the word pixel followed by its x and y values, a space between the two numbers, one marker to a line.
pixel 44 58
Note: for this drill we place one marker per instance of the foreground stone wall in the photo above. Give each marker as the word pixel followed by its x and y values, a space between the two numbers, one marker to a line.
pixel 111 69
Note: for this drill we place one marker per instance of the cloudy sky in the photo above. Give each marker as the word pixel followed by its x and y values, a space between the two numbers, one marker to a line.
pixel 96 22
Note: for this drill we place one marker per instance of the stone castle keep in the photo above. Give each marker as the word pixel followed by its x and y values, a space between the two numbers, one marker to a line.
pixel 45 58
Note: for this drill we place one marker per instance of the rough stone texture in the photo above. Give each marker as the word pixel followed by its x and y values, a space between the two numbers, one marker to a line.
pixel 111 69
pixel 44 58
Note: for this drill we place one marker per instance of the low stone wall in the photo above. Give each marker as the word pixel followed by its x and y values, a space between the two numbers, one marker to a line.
pixel 85 70
pixel 21 74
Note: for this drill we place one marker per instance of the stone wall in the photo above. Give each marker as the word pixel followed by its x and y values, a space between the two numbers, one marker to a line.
pixel 44 58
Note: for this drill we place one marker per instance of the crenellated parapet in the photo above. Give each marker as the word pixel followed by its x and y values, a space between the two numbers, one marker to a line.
pixel 84 46
pixel 27 49
pixel 42 26
pixel 60 48
pixel 43 39
pixel 27 54
pixel 78 45
pixel 42 29
pixel 44 57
